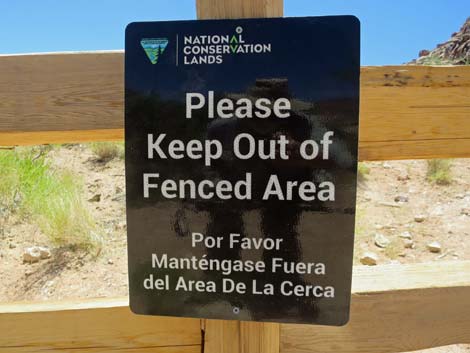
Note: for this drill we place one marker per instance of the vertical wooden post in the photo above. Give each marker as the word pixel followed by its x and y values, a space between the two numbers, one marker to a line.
pixel 233 336
pixel 211 9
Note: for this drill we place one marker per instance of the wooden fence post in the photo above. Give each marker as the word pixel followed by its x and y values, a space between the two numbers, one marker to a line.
pixel 212 9
pixel 233 336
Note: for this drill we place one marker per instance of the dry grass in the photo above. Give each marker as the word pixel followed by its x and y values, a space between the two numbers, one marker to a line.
pixel 106 151
pixel 362 171
pixel 51 198
pixel 439 171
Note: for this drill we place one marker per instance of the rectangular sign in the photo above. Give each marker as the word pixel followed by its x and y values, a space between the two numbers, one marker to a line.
pixel 241 158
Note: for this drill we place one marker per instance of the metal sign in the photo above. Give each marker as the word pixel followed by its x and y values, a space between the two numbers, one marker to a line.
pixel 241 158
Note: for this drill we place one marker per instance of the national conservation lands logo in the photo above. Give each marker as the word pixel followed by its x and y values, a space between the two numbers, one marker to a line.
pixel 211 49
pixel 154 48
pixel 204 49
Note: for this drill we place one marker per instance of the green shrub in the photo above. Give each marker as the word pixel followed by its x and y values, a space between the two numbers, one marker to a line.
pixel 51 198
pixel 106 151
pixel 362 171
pixel 439 171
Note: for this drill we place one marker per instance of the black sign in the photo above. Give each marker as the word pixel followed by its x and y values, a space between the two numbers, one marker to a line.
pixel 241 158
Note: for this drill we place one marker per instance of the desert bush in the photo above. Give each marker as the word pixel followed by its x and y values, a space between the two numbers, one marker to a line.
pixel 106 151
pixel 362 171
pixel 51 198
pixel 439 171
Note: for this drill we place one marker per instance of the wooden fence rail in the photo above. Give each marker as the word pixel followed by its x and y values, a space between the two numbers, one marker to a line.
pixel 406 111
pixel 395 308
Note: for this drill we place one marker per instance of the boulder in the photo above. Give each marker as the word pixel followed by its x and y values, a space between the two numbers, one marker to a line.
pixel 381 240
pixel 405 235
pixel 420 218
pixel 45 253
pixel 36 253
pixel 434 247
pixel 401 198
pixel 408 244
pixel 423 52
pixel 369 259
pixel 32 254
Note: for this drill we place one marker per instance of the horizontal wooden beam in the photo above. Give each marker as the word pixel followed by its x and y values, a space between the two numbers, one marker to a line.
pixel 105 325
pixel 406 111
pixel 395 308
pixel 414 112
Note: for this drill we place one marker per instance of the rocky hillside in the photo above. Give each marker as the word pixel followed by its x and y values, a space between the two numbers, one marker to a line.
pixel 455 51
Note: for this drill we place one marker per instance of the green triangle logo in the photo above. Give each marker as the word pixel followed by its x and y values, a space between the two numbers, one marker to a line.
pixel 233 43
pixel 154 48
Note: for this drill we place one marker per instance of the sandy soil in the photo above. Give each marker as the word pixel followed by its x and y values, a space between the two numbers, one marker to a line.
pixel 389 198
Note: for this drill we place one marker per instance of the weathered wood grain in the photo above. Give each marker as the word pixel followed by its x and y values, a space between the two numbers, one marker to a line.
pixel 396 308
pixel 47 137
pixel 406 111
pixel 222 336
pixel 61 92
pixel 414 112
pixel 93 326
pixel 257 337
pixel 227 336
pixel 212 9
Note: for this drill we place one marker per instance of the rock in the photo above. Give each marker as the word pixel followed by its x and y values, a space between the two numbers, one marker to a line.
pixel 405 235
pixel 381 240
pixel 110 262
pixel 408 244
pixel 434 247
pixel 36 253
pixel 401 198
pixel 32 254
pixel 117 190
pixel 120 225
pixel 45 253
pixel 420 218
pixel 386 165
pixel 389 204
pixel 120 197
pixel 369 259
pixel 403 177
pixel 423 52
pixel 460 196
pixel 95 198
pixel 11 246
pixel 454 51
pixel 443 255
pixel 465 211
